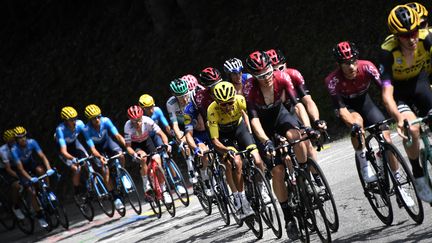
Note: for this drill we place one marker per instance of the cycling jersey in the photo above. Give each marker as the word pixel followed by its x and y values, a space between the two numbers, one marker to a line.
pixel 175 112
pixel 192 119
pixel 65 136
pixel 393 66
pixel 24 154
pixel 6 155
pixel 202 100
pixel 141 135
pixel 341 88
pixel 245 77
pixel 225 121
pixel 298 82
pixel 158 117
pixel 94 136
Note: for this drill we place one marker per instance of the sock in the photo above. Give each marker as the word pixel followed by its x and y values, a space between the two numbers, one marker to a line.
pixel 416 168
pixel 189 164
pixel 286 211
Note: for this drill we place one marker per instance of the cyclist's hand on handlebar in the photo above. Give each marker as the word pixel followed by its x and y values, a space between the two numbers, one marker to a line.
pixel 320 124
pixel 231 153
pixel 50 172
pixel 34 180
pixel 168 148
pixel 103 159
pixel 269 148
pixel 356 128
pixel 312 134
pixel 198 152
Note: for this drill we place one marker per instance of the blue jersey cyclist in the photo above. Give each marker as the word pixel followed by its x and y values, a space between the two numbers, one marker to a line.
pixel 98 132
pixel 70 147
pixel 234 70
pixel 28 168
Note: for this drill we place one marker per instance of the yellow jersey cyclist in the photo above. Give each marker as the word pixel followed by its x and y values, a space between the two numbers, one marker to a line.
pixel 69 146
pixel 405 69
pixel 98 132
pixel 226 124
pixel 175 107
pixel 28 168
pixel 7 172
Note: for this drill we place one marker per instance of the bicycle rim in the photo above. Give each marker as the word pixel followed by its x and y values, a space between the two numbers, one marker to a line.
pixel 151 194
pixel 131 193
pixel 268 210
pixel 254 222
pixel 216 184
pixel 177 181
pixel 406 183
pixel 61 214
pixel 377 196
pixel 203 199
pixel 326 198
pixel 103 197
pixel 170 207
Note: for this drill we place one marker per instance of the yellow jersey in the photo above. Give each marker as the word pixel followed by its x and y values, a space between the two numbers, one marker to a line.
pixel 219 119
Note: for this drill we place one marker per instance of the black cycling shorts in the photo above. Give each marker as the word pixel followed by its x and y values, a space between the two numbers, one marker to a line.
pixel 240 134
pixel 147 146
pixel 364 105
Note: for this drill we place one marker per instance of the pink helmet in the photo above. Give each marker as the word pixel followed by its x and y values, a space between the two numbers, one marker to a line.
pixel 192 82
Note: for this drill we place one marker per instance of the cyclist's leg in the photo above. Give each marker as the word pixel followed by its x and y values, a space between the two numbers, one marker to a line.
pixel 142 149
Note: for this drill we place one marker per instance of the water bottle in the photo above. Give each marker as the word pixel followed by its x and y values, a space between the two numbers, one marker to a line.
pixel 126 182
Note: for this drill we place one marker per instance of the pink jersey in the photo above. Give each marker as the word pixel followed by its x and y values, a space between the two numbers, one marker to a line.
pixel 341 87
pixel 202 100
pixel 298 82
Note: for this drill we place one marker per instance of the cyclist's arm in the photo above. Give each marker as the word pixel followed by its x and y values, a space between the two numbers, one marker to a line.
pixel 190 140
pixel 346 116
pixel 96 153
pixel 62 143
pixel 21 170
pixel 114 132
pixel 163 120
pixel 390 103
pixel 311 107
pixel 10 171
pixel 258 130
pixel 219 146
pixel 163 136
pixel 302 114
pixel 177 131
pixel 35 146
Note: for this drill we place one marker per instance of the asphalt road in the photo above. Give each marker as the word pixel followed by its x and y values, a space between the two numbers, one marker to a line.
pixel 358 223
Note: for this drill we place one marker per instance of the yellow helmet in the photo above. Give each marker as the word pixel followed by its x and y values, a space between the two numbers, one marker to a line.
pixel 20 132
pixel 420 9
pixel 8 135
pixel 146 101
pixel 68 112
pixel 224 91
pixel 403 19
pixel 92 111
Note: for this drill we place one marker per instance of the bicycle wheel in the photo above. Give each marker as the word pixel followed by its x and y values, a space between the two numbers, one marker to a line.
pixel 376 195
pixel 151 194
pixel 7 217
pixel 326 196
pixel 26 225
pixel 170 206
pixel 268 209
pixel 217 182
pixel 405 185
pixel 177 180
pixel 203 199
pixel 129 190
pixel 85 207
pixel 254 223
pixel 59 211
pixel 427 164
pixel 102 195
pixel 314 208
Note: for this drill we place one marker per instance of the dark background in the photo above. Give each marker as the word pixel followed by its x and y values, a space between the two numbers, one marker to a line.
pixel 58 53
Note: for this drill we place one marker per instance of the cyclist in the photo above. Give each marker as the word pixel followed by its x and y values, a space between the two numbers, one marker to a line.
pixel 192 83
pixel 70 147
pixel 348 86
pixel 147 103
pixel 137 132
pixel 98 132
pixel 267 91
pixel 278 60
pixel 233 68
pixel 226 125
pixel 405 69
pixel 8 174
pixel 175 107
pixel 28 168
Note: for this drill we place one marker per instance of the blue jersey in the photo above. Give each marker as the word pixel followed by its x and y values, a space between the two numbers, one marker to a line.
pixel 159 118
pixel 65 136
pixel 97 137
pixel 190 116
pixel 25 154
pixel 6 156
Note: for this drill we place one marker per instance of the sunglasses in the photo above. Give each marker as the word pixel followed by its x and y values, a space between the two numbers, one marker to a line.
pixel 97 117
pixel 264 75
pixel 409 35
pixel 183 96
pixel 280 67
pixel 225 104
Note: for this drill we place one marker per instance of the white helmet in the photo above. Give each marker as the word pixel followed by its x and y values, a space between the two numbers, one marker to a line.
pixel 233 65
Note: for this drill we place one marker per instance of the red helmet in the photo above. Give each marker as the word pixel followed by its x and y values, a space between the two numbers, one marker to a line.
pixel 276 56
pixel 135 112
pixel 209 76
pixel 345 51
pixel 192 82
pixel 257 61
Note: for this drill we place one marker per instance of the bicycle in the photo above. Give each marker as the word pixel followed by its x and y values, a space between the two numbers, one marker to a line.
pixel 26 225
pixel 254 179
pixel 304 201
pixel 96 190
pixel 379 192
pixel 155 195
pixel 124 185
pixel 200 187
pixel 52 208
pixel 175 177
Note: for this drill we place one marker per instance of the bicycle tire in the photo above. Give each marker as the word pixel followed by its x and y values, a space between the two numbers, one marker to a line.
pixel 268 210
pixel 253 222
pixel 130 193
pixel 151 194
pixel 203 199
pixel 326 198
pixel 86 208
pixel 314 207
pixel 7 217
pixel 217 181
pixel 170 207
pixel 406 183
pixel 60 213
pixel 376 195
pixel 26 225
pixel 179 181
pixel 101 194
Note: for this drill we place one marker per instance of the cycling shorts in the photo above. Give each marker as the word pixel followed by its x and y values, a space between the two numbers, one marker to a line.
pixel 240 134
pixel 364 105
